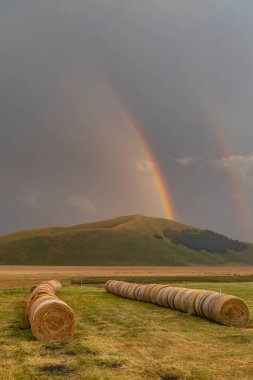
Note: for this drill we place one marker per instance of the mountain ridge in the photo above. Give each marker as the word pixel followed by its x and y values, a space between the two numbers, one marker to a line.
pixel 125 240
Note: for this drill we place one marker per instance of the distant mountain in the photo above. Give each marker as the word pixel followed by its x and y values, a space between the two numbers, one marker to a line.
pixel 126 240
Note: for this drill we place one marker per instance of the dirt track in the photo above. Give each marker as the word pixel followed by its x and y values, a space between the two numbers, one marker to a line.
pixel 25 276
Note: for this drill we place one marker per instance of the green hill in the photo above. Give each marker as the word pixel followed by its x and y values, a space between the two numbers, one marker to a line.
pixel 126 240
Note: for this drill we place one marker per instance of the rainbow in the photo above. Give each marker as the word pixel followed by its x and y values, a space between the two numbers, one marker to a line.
pixel 223 145
pixel 146 153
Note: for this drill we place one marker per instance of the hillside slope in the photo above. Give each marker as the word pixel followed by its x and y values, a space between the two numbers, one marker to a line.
pixel 127 240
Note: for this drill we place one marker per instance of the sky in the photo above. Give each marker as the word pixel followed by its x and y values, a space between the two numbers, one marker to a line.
pixel 112 107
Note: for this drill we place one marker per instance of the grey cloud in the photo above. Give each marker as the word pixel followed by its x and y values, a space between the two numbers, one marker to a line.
pixel 63 138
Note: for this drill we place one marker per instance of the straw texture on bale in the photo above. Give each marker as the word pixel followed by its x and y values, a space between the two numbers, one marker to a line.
pixel 222 308
pixel 50 318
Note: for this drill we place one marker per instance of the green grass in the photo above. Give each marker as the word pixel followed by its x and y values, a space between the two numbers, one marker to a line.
pixel 163 279
pixel 118 338
pixel 128 240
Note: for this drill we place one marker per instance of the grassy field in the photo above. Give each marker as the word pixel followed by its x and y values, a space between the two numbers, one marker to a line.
pixel 121 339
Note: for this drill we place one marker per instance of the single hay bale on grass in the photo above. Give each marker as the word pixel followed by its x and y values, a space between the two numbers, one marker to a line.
pixel 50 318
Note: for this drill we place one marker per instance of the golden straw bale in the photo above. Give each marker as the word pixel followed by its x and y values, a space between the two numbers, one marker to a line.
pixel 52 319
pixel 154 292
pixel 120 288
pixel 183 302
pixel 190 300
pixel 159 295
pixel 199 302
pixel 207 302
pixel 146 295
pixel 49 317
pixel 136 291
pixel 163 296
pixel 140 293
pixel 229 310
pixel 127 289
pixel 131 291
pixel 107 285
pixel 171 295
pixel 177 298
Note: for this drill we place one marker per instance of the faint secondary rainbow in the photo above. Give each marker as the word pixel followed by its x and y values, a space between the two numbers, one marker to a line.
pixel 147 154
pixel 237 190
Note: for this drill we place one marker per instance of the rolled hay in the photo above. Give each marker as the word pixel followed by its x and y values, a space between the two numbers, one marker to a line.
pixel 131 291
pixel 190 300
pixel 178 297
pixel 171 296
pixel 50 318
pixel 198 310
pixel 183 302
pixel 225 309
pixel 140 293
pixel 229 310
pixel 55 284
pixel 146 295
pixel 154 293
pixel 107 285
pixel 162 296
pixel 137 290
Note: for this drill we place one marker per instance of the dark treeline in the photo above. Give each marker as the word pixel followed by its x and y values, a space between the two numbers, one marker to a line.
pixel 204 239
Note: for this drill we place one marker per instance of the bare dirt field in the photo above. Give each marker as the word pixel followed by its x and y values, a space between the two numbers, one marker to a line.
pixel 25 276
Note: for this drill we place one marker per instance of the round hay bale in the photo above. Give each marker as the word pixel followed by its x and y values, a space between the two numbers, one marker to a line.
pixel 107 284
pixel 52 319
pixel 171 295
pixel 162 296
pixel 55 285
pixel 191 299
pixel 146 295
pixel 121 288
pixel 199 302
pixel 130 291
pixel 126 289
pixel 133 291
pixel 136 291
pixel 140 293
pixel 154 293
pixel 183 302
pixel 35 302
pixel 177 298
pixel 229 310
pixel 208 302
pixel 113 287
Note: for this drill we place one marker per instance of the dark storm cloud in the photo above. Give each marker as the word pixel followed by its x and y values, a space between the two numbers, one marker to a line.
pixel 169 61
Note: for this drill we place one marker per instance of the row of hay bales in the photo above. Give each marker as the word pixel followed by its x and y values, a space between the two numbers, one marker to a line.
pixel 222 308
pixel 50 318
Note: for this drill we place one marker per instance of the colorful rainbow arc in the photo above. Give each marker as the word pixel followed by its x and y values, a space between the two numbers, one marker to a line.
pixel 156 173
pixel 236 187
